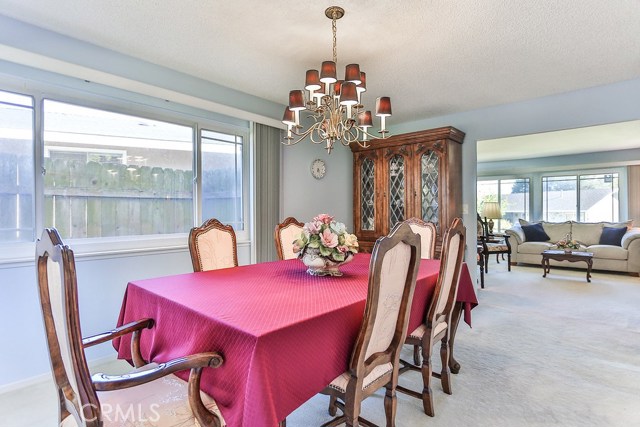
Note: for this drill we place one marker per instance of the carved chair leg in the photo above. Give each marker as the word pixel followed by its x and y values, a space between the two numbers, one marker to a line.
pixel 498 258
pixel 390 404
pixel 427 398
pixel 332 405
pixel 486 263
pixel 445 373
pixel 509 261
pixel 416 355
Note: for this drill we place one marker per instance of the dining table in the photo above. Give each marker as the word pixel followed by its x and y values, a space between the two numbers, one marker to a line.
pixel 284 334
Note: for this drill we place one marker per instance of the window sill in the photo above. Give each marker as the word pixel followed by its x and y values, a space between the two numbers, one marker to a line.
pixel 23 254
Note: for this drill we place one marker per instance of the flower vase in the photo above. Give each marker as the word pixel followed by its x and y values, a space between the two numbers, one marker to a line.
pixel 318 265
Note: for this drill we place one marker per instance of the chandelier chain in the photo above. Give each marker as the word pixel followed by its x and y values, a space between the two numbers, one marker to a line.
pixel 334 28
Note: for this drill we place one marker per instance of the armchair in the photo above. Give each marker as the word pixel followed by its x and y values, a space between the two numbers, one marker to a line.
pixel 148 396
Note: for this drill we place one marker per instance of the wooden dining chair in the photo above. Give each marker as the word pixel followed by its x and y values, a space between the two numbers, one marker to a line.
pixel 375 359
pixel 148 396
pixel 213 246
pixel 497 244
pixel 436 325
pixel 427 232
pixel 284 235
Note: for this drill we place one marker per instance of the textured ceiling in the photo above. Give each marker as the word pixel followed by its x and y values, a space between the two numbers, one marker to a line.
pixel 432 57
pixel 611 137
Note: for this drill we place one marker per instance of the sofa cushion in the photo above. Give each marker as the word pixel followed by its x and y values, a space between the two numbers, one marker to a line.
pixel 608 252
pixel 586 233
pixel 628 224
pixel 535 233
pixel 612 236
pixel 533 247
pixel 557 230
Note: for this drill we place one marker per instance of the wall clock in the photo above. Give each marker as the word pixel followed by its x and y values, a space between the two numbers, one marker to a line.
pixel 318 168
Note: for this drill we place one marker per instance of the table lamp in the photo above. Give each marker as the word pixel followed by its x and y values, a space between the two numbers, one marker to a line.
pixel 491 210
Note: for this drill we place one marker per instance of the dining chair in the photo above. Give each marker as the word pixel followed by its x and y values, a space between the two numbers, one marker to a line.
pixel 427 232
pixel 148 396
pixel 213 246
pixel 375 358
pixel 436 324
pixel 284 235
pixel 497 244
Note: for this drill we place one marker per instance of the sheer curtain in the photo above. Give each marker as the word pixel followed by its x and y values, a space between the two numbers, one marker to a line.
pixel 267 152
pixel 633 177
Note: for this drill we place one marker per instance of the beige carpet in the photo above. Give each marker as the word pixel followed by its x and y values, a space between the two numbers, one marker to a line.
pixel 542 352
pixel 556 351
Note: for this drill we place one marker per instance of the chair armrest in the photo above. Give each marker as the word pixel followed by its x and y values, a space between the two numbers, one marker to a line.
pixel 630 236
pixel 104 382
pixel 133 327
pixel 117 332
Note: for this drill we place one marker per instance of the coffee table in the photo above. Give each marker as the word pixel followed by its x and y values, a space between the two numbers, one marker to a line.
pixel 574 256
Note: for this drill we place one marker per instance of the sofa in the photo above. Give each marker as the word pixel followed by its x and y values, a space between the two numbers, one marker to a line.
pixel 613 249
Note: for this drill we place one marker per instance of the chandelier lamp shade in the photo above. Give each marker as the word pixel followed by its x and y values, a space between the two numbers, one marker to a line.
pixel 335 106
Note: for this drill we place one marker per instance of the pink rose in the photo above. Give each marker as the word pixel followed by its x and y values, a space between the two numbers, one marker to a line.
pixel 343 249
pixel 324 218
pixel 313 227
pixel 296 248
pixel 329 239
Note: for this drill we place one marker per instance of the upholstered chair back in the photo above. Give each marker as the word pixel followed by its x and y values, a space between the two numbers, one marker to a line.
pixel 447 284
pixel 213 246
pixel 392 276
pixel 427 232
pixel 284 235
pixel 59 300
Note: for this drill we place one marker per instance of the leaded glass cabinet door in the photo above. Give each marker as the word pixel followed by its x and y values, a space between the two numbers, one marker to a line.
pixel 430 187
pixel 397 190
pixel 367 195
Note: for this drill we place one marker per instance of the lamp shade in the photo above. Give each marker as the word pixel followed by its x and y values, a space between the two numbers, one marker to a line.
pixel 352 73
pixel 288 118
pixel 328 72
pixel 337 87
pixel 296 100
pixel 491 210
pixel 364 119
pixel 312 81
pixel 362 87
pixel 348 94
pixel 383 106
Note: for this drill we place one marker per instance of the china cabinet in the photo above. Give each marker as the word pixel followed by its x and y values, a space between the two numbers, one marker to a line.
pixel 416 174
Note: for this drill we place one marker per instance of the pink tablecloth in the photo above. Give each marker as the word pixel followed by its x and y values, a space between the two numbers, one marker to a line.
pixel 284 334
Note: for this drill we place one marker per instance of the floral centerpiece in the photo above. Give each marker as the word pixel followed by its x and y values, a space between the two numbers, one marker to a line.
pixel 324 245
pixel 568 244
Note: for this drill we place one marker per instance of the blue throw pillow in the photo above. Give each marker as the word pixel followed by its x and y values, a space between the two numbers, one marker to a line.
pixel 612 236
pixel 534 233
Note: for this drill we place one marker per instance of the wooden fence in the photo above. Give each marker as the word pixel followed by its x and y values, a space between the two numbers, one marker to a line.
pixel 100 200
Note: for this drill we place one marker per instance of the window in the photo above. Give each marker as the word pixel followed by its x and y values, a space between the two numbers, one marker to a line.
pixel 587 198
pixel 111 174
pixel 513 195
pixel 222 178
pixel 16 168
pixel 111 171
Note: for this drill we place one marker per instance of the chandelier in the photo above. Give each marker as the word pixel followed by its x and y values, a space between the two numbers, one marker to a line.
pixel 334 105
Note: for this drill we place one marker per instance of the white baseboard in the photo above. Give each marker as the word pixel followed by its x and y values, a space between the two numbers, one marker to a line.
pixel 48 377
